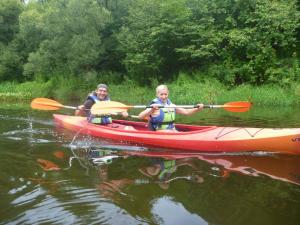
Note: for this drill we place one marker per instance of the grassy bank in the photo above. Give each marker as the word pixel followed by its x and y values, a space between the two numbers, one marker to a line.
pixel 183 91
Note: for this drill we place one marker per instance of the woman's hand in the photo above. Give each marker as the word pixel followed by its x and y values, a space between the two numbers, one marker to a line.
pixel 125 114
pixel 155 107
pixel 200 106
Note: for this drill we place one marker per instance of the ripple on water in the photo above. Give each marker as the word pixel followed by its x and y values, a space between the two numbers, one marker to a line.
pixel 28 197
pixel 69 205
pixel 32 135
pixel 29 119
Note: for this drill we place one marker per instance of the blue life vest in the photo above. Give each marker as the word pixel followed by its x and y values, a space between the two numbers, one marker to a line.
pixel 95 119
pixel 165 119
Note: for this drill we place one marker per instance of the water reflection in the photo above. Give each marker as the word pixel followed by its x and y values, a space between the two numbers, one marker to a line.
pixel 161 171
pixel 165 167
pixel 281 167
pixel 168 211
pixel 48 179
pixel 172 171
pixel 117 186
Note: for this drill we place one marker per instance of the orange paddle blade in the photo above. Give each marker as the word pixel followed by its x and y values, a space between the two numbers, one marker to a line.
pixel 59 154
pixel 242 106
pixel 108 107
pixel 45 104
pixel 48 165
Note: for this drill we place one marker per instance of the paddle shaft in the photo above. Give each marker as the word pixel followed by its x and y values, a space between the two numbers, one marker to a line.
pixel 118 114
pixel 63 106
pixel 177 106
pixel 111 106
pixel 55 105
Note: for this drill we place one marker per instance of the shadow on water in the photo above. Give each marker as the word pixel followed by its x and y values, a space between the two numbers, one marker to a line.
pixel 48 176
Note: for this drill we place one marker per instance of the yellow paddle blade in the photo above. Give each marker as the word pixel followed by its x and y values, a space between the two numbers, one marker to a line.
pixel 108 107
pixel 45 104
pixel 242 106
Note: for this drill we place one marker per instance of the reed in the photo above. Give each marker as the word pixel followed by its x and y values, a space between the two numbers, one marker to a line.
pixel 185 90
pixel 10 92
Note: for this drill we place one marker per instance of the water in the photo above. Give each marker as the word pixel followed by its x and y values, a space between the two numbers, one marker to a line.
pixel 48 176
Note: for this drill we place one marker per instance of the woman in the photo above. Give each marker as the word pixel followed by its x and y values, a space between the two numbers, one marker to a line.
pixel 162 117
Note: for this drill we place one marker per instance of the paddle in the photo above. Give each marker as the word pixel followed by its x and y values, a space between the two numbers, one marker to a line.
pixel 111 106
pixel 50 104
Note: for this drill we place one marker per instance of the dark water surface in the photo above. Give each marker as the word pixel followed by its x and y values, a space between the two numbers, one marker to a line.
pixel 50 176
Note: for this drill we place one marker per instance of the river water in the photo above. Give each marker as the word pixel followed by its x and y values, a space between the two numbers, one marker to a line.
pixel 51 176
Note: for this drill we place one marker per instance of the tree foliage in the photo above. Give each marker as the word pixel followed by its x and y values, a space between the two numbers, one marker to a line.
pixel 10 63
pixel 70 39
pixel 234 41
pixel 245 38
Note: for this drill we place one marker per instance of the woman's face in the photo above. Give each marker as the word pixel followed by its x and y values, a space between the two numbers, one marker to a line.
pixel 101 93
pixel 163 95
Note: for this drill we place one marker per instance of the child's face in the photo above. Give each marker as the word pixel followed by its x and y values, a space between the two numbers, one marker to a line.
pixel 163 94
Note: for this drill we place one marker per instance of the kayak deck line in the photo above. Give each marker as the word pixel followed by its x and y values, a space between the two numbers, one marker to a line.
pixel 124 128
pixel 221 134
pixel 190 137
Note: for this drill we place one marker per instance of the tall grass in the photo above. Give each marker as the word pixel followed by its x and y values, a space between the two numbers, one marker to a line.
pixel 10 91
pixel 185 90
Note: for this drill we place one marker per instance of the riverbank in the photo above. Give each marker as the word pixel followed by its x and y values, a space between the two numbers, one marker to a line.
pixel 183 91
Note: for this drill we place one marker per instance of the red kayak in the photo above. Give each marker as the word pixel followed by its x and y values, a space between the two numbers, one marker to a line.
pixel 191 138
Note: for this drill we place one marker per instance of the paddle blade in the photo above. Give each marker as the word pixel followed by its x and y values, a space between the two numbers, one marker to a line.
pixel 45 104
pixel 242 106
pixel 108 107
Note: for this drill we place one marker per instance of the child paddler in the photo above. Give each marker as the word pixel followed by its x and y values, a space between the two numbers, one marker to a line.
pixel 164 118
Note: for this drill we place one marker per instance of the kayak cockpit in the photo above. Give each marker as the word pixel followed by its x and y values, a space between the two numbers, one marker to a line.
pixel 141 126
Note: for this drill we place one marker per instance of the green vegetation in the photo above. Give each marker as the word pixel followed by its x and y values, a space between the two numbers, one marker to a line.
pixel 213 51
pixel 184 90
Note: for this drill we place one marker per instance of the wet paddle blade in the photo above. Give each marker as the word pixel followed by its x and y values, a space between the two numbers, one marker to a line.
pixel 108 107
pixel 45 104
pixel 48 165
pixel 237 106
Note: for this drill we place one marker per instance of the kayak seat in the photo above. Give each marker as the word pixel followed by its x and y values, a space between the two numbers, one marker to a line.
pixel 122 126
pixel 129 128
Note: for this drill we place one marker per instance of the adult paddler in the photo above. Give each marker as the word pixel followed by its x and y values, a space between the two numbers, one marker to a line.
pixel 100 94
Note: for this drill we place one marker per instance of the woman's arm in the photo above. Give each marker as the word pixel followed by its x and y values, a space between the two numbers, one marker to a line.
pixel 154 110
pixel 145 113
pixel 188 112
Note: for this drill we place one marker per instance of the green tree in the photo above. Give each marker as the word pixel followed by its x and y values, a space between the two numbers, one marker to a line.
pixel 235 41
pixel 261 39
pixel 9 24
pixel 70 40
pixel 149 40
pixel 10 63
pixel 111 59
